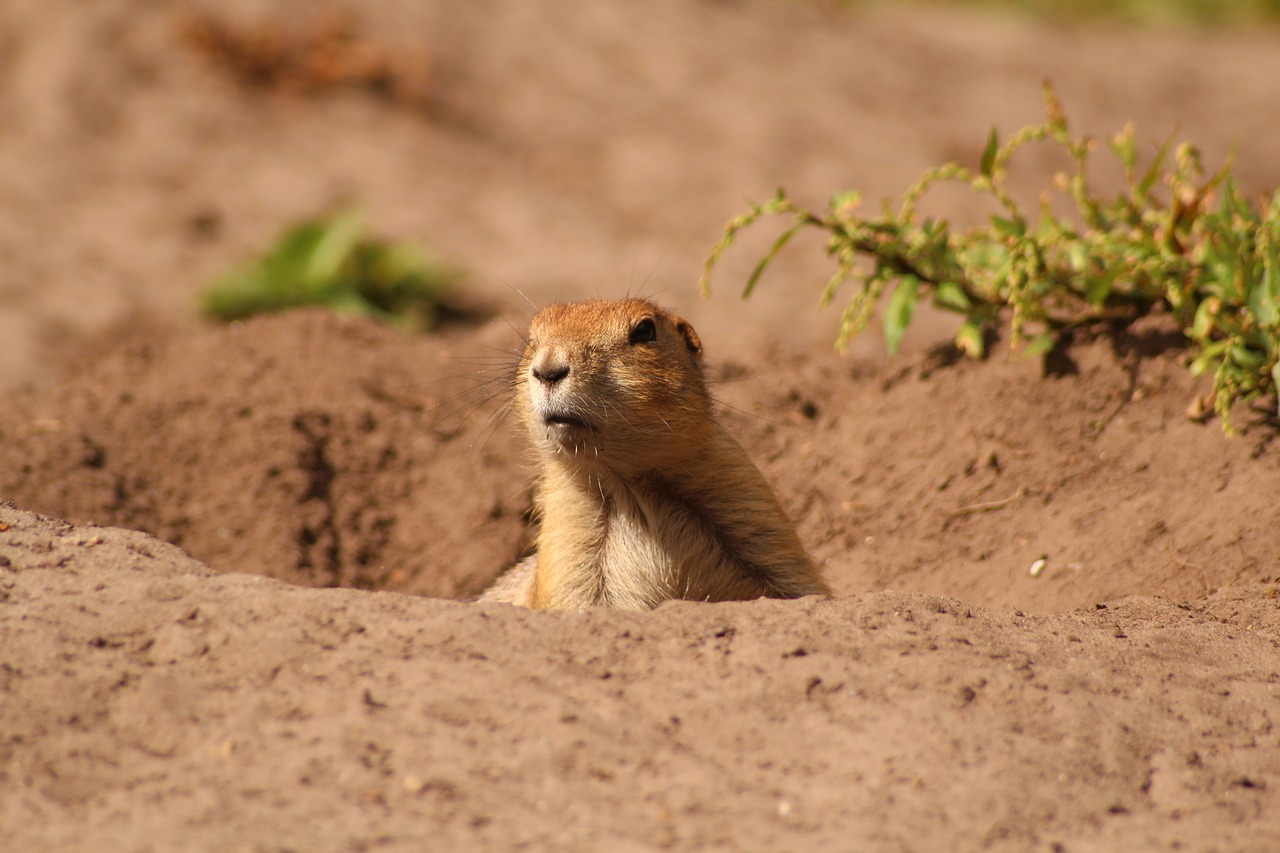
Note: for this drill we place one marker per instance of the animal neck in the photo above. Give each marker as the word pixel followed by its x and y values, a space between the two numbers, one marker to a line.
pixel 634 541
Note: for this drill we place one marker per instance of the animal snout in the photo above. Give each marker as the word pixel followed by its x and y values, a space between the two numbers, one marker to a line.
pixel 550 371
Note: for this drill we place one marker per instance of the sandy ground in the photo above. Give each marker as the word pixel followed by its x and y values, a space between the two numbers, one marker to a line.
pixel 214 698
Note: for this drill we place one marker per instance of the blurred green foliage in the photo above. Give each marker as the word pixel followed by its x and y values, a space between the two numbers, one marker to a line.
pixel 333 263
pixel 1158 12
pixel 1170 237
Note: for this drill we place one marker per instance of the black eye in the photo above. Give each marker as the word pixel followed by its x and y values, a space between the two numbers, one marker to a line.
pixel 644 332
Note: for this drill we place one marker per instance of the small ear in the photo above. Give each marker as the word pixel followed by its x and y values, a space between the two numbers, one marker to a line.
pixel 691 339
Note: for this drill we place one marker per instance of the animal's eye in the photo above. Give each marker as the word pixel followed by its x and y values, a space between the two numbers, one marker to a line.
pixel 644 332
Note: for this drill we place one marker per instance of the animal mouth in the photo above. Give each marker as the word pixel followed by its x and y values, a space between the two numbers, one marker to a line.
pixel 566 421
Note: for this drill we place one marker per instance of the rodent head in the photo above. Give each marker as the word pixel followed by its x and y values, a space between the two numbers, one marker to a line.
pixel 614 384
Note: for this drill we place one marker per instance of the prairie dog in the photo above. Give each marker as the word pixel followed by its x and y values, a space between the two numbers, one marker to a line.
pixel 643 496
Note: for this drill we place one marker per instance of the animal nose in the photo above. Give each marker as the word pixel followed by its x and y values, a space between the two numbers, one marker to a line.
pixel 549 373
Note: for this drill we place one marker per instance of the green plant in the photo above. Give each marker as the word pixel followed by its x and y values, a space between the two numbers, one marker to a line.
pixel 1170 236
pixel 1141 12
pixel 331 262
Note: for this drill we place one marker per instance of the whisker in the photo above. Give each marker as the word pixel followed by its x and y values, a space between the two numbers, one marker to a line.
pixel 489 429
pixel 651 274
pixel 479 386
pixel 509 286
pixel 510 359
pixel 720 402
pixel 726 380
pixel 519 334
pixel 497 416
pixel 516 352
pixel 606 405
pixel 487 374
pixel 467 402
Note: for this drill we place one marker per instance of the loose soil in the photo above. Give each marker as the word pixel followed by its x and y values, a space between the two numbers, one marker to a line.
pixel 233 560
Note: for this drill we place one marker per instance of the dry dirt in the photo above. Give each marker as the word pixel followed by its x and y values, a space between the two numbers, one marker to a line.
pixel 152 698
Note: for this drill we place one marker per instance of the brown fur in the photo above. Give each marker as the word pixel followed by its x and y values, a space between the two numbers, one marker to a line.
pixel 643 496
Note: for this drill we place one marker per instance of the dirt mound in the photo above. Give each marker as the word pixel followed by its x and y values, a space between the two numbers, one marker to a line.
pixel 243 710
pixel 314 449
pixel 330 452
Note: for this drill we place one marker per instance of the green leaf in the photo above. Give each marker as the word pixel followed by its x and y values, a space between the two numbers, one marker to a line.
pixel 1246 358
pixel 1039 345
pixel 1203 323
pixel 838 278
pixel 1053 108
pixel 969 339
pixel 1098 288
pixel 1275 385
pixel 989 153
pixel 1208 357
pixel 951 295
pixel 783 239
pixel 1126 148
pixel 1263 308
pixel 1263 293
pixel 1009 227
pixel 843 204
pixel 332 248
pixel 332 263
pixel 897 313
pixel 1271 278
pixel 1077 256
pixel 1153 173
